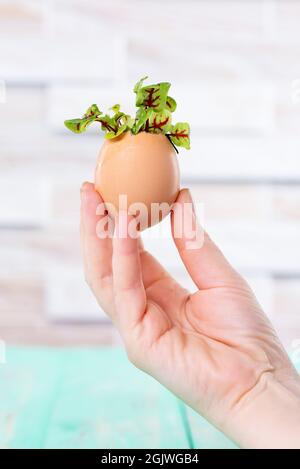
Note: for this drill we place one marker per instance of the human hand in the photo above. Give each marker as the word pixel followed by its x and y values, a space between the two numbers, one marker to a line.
pixel 215 348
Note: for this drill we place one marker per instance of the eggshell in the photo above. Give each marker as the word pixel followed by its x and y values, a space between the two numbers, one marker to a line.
pixel 143 167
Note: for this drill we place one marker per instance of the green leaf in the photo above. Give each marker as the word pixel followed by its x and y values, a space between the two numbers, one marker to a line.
pixel 108 124
pixel 79 125
pixel 159 122
pixel 153 96
pixel 180 135
pixel 140 120
pixel 154 115
pixel 120 118
pixel 171 104
pixel 92 111
pixel 115 108
pixel 139 84
pixel 128 120
pixel 73 125
pixel 120 131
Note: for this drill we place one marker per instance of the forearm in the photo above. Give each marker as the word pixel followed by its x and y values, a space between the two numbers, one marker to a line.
pixel 269 418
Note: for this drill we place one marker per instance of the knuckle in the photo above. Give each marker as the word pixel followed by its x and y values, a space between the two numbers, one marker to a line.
pixel 105 281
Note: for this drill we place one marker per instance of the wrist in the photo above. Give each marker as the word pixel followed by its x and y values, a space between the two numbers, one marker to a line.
pixel 269 416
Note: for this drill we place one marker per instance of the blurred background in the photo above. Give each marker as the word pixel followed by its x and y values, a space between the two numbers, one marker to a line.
pixel 235 73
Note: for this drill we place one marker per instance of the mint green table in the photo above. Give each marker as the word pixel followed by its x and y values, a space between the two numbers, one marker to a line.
pixel 92 398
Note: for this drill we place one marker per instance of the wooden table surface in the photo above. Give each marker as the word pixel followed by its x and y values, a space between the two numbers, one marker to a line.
pixel 92 398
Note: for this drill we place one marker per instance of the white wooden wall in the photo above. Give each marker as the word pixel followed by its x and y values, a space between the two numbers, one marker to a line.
pixel 235 72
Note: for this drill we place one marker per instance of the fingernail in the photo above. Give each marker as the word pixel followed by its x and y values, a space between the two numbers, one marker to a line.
pixel 184 198
pixel 190 198
pixel 84 186
pixel 83 191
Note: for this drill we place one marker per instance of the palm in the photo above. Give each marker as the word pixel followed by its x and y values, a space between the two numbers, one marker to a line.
pixel 211 331
pixel 210 348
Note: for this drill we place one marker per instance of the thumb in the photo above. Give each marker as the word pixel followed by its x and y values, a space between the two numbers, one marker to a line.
pixel 203 259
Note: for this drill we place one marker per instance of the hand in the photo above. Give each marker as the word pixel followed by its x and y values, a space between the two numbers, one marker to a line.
pixel 215 348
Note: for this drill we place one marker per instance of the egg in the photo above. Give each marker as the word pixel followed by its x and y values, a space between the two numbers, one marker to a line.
pixel 138 173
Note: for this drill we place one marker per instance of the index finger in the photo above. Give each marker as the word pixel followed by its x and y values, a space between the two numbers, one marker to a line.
pixel 129 291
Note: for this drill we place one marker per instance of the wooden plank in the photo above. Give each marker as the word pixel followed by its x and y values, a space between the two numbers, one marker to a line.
pixel 106 403
pixel 287 24
pixel 49 266
pixel 216 21
pixel 84 398
pixel 62 42
pixel 29 381
pixel 91 398
pixel 22 300
pixel 225 39
pixel 213 158
pixel 219 148
pixel 44 40
pixel 31 209
pixel 62 335
pixel 29 318
pixel 241 158
pixel 68 297
pixel 250 247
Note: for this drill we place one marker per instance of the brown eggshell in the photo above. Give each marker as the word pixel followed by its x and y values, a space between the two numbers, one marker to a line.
pixel 143 167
